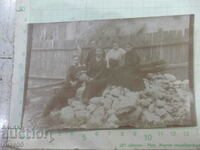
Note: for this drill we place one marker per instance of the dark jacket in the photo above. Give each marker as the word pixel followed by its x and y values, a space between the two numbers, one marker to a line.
pixel 72 75
pixel 132 61
pixel 73 72
pixel 96 69
pixel 87 55
pixel 131 77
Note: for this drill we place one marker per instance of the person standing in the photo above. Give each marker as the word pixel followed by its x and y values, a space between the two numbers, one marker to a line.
pixel 131 70
pixel 87 55
pixel 114 62
pixel 115 56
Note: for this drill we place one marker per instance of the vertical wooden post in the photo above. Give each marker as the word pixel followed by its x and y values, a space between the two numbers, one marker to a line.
pixel 191 52
pixel 191 69
pixel 28 56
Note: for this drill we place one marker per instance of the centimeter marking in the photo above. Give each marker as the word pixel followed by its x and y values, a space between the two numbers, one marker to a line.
pixel 139 138
pixel 132 138
pixel 148 134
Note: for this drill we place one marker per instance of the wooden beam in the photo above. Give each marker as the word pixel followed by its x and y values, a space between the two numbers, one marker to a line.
pixel 51 49
pixel 45 78
pixel 180 65
pixel 137 47
pixel 47 86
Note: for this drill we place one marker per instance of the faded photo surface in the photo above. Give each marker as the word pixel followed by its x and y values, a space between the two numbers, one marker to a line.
pixel 122 73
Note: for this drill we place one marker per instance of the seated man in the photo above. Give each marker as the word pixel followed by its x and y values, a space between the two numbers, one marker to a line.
pixel 68 90
pixel 97 73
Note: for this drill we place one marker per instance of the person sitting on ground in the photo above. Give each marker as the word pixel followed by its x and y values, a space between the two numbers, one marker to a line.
pixel 72 83
pixel 98 76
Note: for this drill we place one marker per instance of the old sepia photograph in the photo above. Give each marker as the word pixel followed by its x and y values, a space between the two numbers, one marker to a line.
pixel 110 74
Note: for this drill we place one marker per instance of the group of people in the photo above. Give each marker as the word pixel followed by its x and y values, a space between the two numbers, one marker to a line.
pixel 98 69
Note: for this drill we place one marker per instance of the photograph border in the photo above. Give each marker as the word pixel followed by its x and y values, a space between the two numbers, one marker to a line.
pixel 190 69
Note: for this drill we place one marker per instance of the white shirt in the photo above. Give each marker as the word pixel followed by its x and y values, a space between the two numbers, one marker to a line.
pixel 116 55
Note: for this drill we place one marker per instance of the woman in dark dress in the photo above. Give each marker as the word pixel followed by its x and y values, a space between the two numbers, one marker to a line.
pixel 132 78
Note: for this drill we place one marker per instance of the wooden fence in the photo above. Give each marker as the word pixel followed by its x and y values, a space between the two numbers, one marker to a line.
pixel 53 46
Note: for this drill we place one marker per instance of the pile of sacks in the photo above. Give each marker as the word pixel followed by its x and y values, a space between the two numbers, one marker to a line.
pixel 165 101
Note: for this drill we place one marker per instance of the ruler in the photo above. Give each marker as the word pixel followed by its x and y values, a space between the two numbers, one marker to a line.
pixel 170 138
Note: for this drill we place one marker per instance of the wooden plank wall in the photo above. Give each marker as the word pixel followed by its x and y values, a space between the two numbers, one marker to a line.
pixel 53 46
